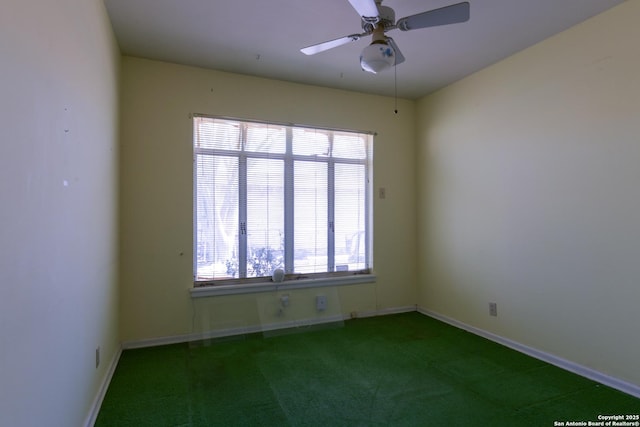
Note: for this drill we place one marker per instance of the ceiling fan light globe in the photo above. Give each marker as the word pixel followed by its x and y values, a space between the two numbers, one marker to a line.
pixel 376 57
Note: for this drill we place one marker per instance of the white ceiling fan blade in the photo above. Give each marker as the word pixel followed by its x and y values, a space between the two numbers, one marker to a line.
pixel 445 15
pixel 396 51
pixel 321 47
pixel 365 8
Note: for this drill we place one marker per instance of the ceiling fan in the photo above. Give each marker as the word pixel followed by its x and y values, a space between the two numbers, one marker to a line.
pixel 383 52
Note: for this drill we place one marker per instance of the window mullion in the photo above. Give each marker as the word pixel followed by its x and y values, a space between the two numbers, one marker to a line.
pixel 331 263
pixel 288 205
pixel 368 205
pixel 195 209
pixel 242 210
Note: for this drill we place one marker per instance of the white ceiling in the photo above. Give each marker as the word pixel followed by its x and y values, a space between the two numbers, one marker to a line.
pixel 264 37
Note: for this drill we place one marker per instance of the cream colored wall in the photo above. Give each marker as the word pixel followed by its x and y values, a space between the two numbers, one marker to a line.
pixel 58 209
pixel 529 196
pixel 156 194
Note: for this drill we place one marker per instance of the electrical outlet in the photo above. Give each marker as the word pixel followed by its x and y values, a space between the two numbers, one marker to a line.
pixel 321 303
pixel 284 300
pixel 493 309
pixel 97 356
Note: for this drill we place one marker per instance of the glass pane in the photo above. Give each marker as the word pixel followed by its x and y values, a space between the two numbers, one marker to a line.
pixel 309 142
pixel 350 185
pixel 216 216
pixel 265 216
pixel 216 134
pixel 350 145
pixel 310 217
pixel 266 138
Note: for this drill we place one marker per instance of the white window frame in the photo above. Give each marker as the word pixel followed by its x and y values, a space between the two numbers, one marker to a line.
pixel 292 279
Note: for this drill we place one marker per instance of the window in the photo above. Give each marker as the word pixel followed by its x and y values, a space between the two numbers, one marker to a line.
pixel 270 196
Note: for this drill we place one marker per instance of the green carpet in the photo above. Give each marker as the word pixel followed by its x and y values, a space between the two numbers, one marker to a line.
pixel 398 370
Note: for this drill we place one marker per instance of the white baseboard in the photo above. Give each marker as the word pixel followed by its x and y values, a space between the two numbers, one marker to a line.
pixel 102 391
pixel 616 383
pixel 381 312
pixel 221 333
pixel 228 332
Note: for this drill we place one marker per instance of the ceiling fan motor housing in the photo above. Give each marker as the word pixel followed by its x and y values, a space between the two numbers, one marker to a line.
pixel 386 19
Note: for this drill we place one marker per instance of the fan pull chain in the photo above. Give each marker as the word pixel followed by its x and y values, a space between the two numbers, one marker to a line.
pixel 395 88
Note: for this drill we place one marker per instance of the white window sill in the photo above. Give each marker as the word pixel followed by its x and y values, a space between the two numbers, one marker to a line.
pixel 269 286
